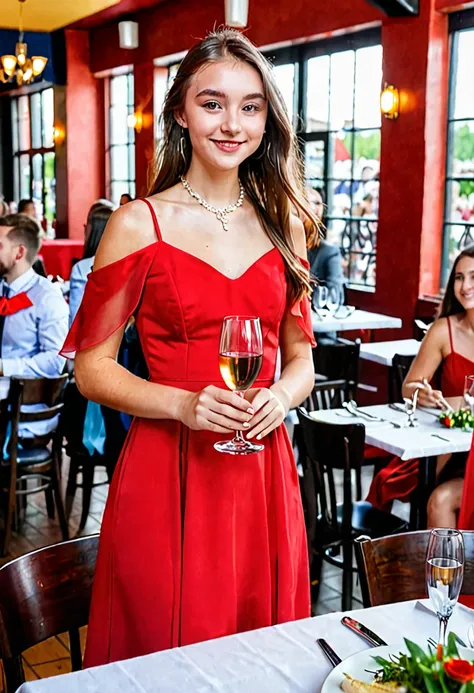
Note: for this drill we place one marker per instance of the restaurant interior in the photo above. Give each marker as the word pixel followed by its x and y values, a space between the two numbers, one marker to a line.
pixel 380 97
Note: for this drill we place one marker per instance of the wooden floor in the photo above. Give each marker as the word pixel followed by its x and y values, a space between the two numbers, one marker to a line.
pixel 51 657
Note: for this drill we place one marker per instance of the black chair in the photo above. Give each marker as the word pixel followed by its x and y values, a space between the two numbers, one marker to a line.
pixel 401 364
pixel 45 593
pixel 42 461
pixel 339 361
pixel 81 462
pixel 330 447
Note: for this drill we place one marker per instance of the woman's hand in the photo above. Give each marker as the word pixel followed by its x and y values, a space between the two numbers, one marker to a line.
pixel 427 397
pixel 214 409
pixel 270 407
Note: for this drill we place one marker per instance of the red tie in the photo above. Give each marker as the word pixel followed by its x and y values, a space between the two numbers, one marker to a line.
pixel 9 306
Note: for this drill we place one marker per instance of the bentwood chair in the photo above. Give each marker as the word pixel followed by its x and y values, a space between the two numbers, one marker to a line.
pixel 392 568
pixel 331 448
pixel 45 593
pixel 41 461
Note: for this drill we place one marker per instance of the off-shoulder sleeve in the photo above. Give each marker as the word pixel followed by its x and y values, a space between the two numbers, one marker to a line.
pixel 301 309
pixel 111 296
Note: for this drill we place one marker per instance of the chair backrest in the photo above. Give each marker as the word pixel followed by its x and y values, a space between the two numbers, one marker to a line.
pixel 328 394
pixel 339 361
pixel 329 447
pixel 392 569
pixel 400 366
pixel 48 391
pixel 44 593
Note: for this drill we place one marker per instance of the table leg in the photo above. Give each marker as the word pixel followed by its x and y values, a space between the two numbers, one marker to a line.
pixel 426 484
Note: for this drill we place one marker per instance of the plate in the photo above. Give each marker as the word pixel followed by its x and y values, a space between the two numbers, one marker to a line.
pixel 361 664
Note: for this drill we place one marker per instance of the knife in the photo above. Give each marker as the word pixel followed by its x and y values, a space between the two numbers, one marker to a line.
pixel 363 631
pixel 329 652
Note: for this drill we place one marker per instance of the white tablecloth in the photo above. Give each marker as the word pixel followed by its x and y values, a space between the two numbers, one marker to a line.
pixel 406 443
pixel 383 352
pixel 359 320
pixel 281 659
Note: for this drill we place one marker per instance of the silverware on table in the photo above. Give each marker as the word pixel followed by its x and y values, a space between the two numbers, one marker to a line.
pixel 353 409
pixel 364 632
pixel 329 652
pixel 436 435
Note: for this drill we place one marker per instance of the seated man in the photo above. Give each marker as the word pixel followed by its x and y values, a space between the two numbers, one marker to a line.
pixel 33 314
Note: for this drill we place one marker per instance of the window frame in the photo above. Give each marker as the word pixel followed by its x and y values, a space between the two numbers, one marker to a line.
pixel 129 183
pixel 30 151
pixel 300 55
pixel 458 23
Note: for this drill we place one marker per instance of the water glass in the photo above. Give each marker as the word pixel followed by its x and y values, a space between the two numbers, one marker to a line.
pixel 444 574
pixel 469 392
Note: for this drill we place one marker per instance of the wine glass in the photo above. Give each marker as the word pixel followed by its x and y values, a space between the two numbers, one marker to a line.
pixel 444 574
pixel 469 392
pixel 333 301
pixel 320 298
pixel 240 360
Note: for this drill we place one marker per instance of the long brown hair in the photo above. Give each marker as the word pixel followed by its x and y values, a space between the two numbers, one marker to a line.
pixel 450 304
pixel 272 177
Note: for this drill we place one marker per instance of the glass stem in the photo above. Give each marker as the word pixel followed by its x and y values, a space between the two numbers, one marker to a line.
pixel 238 434
pixel 443 626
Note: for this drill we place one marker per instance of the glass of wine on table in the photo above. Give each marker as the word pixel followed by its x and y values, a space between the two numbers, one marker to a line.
pixel 240 360
pixel 444 574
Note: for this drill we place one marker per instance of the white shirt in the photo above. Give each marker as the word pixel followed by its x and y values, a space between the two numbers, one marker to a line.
pixel 33 337
pixel 77 284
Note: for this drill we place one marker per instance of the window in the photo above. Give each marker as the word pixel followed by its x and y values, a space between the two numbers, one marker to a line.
pixel 121 151
pixel 459 204
pixel 34 173
pixel 163 78
pixel 332 90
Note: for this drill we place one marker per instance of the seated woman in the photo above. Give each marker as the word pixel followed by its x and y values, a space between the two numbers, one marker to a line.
pixel 449 343
pixel 97 219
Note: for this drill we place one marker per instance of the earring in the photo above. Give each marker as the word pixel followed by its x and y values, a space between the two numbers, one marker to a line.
pixel 182 146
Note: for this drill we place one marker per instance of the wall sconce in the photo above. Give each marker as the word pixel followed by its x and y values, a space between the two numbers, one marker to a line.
pixel 59 134
pixel 135 120
pixel 237 13
pixel 390 102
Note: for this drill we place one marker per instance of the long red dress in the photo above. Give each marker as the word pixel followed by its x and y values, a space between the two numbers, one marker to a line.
pixel 400 477
pixel 194 544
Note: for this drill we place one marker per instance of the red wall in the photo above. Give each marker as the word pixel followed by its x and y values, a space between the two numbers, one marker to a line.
pixel 84 175
pixel 174 26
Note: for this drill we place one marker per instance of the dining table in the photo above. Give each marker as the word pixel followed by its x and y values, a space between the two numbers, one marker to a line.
pixel 392 433
pixel 346 318
pixel 279 659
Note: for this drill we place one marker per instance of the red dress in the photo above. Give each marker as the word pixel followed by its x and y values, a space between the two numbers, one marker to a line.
pixel 400 477
pixel 194 544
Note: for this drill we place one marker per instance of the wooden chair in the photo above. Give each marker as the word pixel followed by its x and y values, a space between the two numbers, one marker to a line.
pixel 41 462
pixel 42 594
pixel 331 447
pixel 392 569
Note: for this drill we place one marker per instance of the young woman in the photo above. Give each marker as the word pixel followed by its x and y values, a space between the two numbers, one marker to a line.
pixel 449 343
pixel 196 544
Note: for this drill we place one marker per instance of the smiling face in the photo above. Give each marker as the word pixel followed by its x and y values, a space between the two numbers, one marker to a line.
pixel 464 282
pixel 225 112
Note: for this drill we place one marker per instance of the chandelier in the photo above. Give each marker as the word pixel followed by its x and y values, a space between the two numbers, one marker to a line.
pixel 20 66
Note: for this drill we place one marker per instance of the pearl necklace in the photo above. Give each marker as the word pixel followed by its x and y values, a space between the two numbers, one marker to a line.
pixel 221 214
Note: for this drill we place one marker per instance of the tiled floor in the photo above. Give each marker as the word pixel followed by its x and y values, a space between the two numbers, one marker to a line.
pixel 52 656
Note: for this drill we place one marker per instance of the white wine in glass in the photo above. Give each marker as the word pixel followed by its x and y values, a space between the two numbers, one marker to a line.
pixel 240 361
pixel 444 574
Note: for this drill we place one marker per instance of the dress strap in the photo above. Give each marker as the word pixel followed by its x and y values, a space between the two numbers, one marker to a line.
pixel 450 335
pixel 154 217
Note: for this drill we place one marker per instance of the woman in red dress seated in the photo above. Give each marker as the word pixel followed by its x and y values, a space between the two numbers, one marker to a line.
pixel 196 544
pixel 449 343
